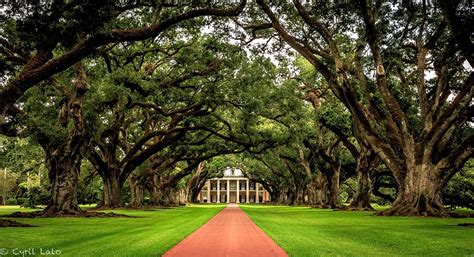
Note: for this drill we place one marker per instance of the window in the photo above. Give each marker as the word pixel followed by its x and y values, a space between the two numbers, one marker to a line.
pixel 252 185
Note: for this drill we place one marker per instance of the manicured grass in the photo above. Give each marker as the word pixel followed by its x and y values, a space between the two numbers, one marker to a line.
pixel 152 235
pixel 303 231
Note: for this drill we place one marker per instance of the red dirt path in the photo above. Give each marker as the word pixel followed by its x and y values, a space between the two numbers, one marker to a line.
pixel 230 233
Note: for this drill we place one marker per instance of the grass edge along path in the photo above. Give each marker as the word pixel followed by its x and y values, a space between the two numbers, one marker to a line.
pixel 154 234
pixel 304 231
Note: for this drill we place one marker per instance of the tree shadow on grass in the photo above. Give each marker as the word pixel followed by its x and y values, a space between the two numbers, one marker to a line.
pixel 12 223
pixel 79 214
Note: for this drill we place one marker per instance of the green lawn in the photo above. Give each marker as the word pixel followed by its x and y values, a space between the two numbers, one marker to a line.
pixel 151 235
pixel 302 231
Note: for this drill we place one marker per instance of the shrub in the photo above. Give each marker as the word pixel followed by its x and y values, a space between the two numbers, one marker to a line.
pixel 460 191
pixel 21 200
pixel 11 201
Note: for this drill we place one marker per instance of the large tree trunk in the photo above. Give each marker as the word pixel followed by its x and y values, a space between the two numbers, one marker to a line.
pixel 311 192
pixel 327 189
pixel 299 196
pixel 290 197
pixel 163 196
pixel 182 196
pixel 419 194
pixel 137 192
pixel 4 197
pixel 64 158
pixel 361 199
pixel 111 193
pixel 321 188
pixel 276 195
pixel 160 194
pixel 333 197
pixel 193 196
pixel 64 177
pixel 196 183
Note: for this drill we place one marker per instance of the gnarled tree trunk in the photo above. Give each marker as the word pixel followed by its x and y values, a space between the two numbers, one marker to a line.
pixel 137 192
pixel 64 177
pixel 321 189
pixel 196 183
pixel 165 196
pixel 361 199
pixel 333 197
pixel 111 193
pixel 64 158
pixel 419 194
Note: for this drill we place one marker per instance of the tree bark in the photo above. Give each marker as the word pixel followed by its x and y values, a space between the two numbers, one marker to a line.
pixel 276 196
pixel 111 193
pixel 311 189
pixel 333 196
pixel 64 177
pixel 321 189
pixel 182 196
pixel 4 198
pixel 160 194
pixel 299 196
pixel 361 199
pixel 64 158
pixel 137 192
pixel 419 194
pixel 196 183
pixel 163 196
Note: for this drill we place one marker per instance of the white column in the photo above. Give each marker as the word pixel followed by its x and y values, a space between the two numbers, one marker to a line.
pixel 247 192
pixel 228 191
pixel 218 191
pixel 209 191
pixel 238 196
pixel 256 193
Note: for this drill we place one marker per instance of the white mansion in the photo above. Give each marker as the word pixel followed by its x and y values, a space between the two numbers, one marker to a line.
pixel 233 188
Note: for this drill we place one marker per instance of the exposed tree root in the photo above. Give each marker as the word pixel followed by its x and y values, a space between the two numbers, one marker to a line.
pixel 412 204
pixel 104 208
pixel 321 206
pixel 152 207
pixel 414 212
pixel 357 208
pixel 326 206
pixel 467 224
pixel 12 223
pixel 426 211
pixel 128 207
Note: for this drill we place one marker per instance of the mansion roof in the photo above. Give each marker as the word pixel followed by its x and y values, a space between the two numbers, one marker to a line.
pixel 233 172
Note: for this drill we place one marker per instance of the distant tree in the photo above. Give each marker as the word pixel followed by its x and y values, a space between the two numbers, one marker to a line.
pixel 459 192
